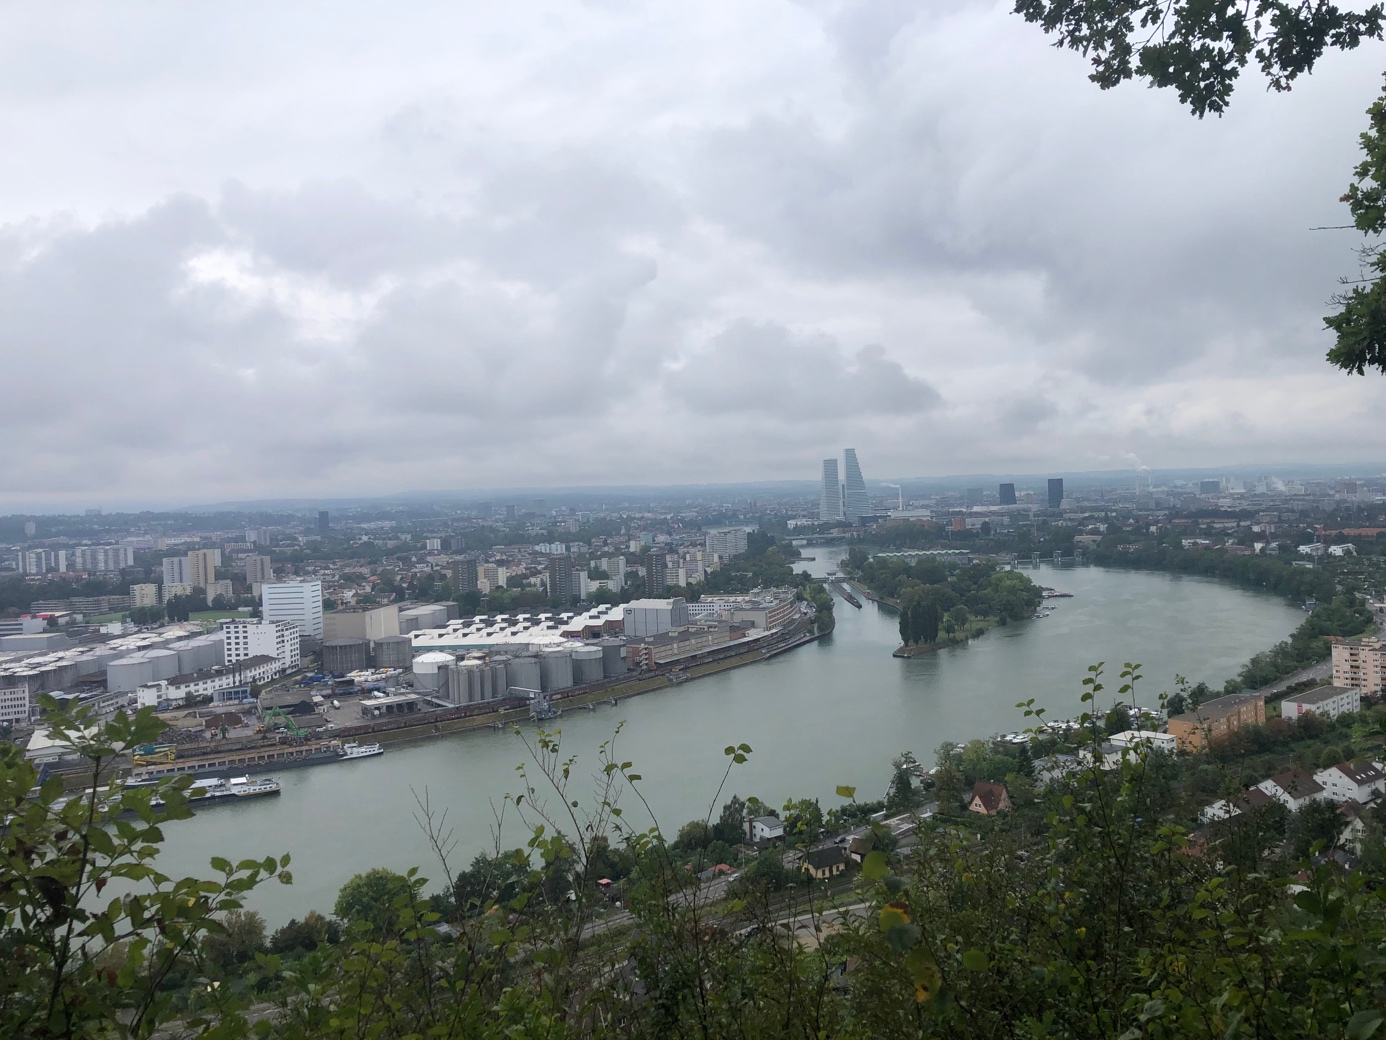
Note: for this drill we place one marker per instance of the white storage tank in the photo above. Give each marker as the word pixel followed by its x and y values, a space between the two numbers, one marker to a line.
pixel 522 675
pixel 127 674
pixel 165 663
pixel 556 669
pixel 587 665
pixel 613 657
pixel 427 669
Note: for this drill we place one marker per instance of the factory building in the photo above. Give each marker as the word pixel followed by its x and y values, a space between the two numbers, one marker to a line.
pixel 369 623
pixel 649 617
pixel 262 638
pixel 296 601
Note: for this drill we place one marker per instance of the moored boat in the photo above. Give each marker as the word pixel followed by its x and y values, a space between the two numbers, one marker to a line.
pixel 354 750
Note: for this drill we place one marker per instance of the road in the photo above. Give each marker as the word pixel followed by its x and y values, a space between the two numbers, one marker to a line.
pixel 1322 670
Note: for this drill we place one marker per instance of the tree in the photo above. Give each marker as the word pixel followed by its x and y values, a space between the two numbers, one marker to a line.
pixel 731 825
pixel 1200 49
pixel 80 962
pixel 1314 823
pixel 901 794
pixel 371 897
pixel 693 835
pixel 803 821
pixel 241 938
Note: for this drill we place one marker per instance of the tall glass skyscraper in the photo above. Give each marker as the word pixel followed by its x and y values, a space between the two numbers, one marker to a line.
pixel 855 504
pixel 830 497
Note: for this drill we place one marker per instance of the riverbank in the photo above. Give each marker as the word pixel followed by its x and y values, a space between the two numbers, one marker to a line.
pixel 975 629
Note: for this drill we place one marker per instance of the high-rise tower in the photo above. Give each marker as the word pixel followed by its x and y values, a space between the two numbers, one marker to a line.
pixel 830 497
pixel 855 504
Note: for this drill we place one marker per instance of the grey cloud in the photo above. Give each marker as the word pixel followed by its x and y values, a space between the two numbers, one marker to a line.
pixel 768 370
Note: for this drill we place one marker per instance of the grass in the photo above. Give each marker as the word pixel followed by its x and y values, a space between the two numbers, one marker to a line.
pixel 215 615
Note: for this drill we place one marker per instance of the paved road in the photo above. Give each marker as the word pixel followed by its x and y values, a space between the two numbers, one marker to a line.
pixel 1322 670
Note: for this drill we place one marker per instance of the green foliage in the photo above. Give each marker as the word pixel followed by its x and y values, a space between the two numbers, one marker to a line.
pixel 1344 616
pixel 932 596
pixel 78 957
pixel 1360 322
pixel 1200 48
pixel 371 897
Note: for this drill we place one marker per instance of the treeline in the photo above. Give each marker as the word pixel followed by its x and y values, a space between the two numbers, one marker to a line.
pixel 1272 573
pixel 1309 643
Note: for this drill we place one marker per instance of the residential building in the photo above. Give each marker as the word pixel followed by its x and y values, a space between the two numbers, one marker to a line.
pixel 296 601
pixel 561 579
pixel 830 494
pixel 220 588
pixel 464 575
pixel 258 637
pixel 761 830
pixel 824 863
pixel 725 542
pixel 103 559
pixel 259 570
pixel 656 573
pixel 1215 719
pixel 41 561
pixel 1327 702
pixel 855 503
pixel 1056 492
pixel 650 617
pixel 1350 780
pixel 493 577
pixel 202 568
pixel 170 589
pixel 1006 494
pixel 370 623
pixel 1360 664
pixel 1294 789
pixel 988 798
pixel 144 596
pixel 176 570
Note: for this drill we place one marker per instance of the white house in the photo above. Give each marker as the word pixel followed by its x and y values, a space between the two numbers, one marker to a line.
pixel 1293 788
pixel 764 828
pixel 1346 780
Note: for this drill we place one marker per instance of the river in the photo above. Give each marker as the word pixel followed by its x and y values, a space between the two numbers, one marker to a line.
pixel 833 712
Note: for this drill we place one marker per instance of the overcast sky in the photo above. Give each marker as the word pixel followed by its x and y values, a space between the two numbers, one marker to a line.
pixel 262 250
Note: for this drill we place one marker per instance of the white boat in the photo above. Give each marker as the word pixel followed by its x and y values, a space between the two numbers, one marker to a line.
pixel 234 787
pixel 354 750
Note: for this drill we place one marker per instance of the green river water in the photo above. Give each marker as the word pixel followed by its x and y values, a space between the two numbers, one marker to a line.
pixel 833 712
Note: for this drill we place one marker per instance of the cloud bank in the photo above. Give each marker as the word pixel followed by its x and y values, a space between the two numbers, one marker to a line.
pixel 261 252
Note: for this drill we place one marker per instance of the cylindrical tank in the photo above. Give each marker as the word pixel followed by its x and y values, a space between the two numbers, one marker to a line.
pixel 341 656
pixel 89 664
pixel 556 669
pixel 496 686
pixel 522 674
pixel 165 663
pixel 394 652
pixel 467 675
pixel 127 674
pixel 613 657
pixel 427 675
pixel 587 665
pixel 57 676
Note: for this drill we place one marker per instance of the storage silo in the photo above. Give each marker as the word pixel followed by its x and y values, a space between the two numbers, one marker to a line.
pixel 57 676
pixel 427 669
pixel 341 656
pixel 496 688
pixel 613 657
pixel 394 652
pixel 587 665
pixel 522 674
pixel 468 675
pixel 208 651
pixel 127 674
pixel 89 664
pixel 556 668
pixel 165 663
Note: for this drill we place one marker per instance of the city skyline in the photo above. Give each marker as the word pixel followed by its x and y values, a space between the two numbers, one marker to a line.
pixel 359 289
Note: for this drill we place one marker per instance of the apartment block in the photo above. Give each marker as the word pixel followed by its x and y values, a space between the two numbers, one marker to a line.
pixel 1360 664
pixel 1213 720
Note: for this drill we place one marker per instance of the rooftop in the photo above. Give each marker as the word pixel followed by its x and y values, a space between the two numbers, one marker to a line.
pixel 1319 695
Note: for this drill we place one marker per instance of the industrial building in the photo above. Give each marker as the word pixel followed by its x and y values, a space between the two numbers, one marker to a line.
pixel 369 623
pixel 255 637
pixel 519 632
pixel 650 617
pixel 296 601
